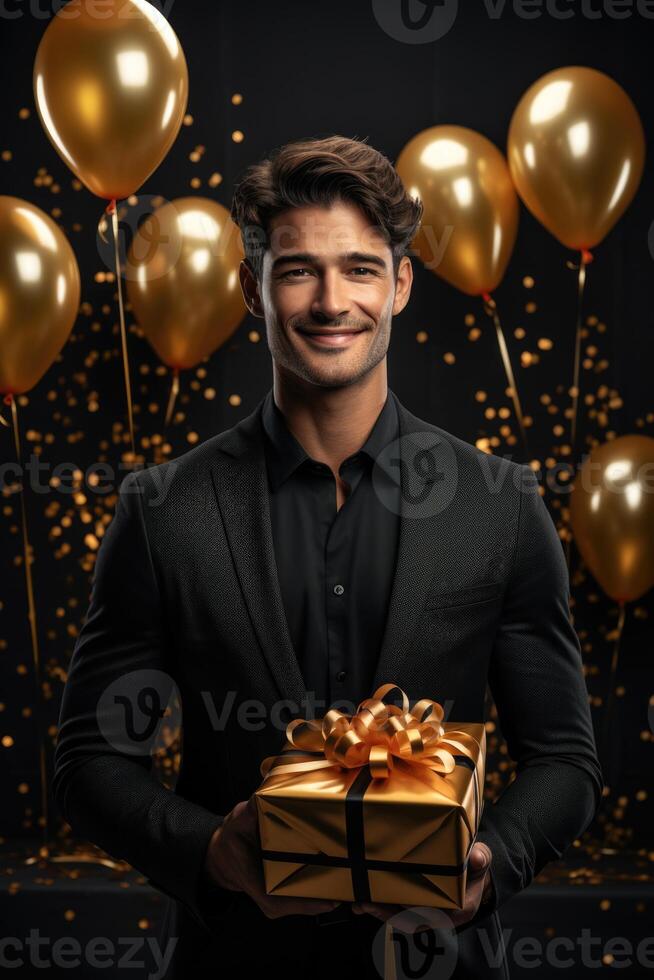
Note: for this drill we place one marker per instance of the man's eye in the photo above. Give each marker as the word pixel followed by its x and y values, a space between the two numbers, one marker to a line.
pixel 292 272
pixel 362 268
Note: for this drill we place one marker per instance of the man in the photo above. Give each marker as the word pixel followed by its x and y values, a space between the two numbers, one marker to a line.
pixel 328 543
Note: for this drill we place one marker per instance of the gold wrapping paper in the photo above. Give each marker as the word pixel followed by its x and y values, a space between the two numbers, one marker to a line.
pixel 381 806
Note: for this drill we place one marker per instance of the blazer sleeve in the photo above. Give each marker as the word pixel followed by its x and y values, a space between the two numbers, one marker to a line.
pixel 103 786
pixel 537 682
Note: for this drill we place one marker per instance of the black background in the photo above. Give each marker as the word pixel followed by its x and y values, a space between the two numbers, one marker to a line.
pixel 306 70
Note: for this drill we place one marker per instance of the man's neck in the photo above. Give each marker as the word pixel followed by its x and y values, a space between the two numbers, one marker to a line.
pixel 331 423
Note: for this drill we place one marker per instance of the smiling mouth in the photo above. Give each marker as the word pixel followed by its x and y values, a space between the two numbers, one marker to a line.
pixel 331 338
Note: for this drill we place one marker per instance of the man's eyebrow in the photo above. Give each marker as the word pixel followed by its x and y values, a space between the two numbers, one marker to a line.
pixel 310 259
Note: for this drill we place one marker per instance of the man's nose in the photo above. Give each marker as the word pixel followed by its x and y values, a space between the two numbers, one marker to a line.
pixel 331 301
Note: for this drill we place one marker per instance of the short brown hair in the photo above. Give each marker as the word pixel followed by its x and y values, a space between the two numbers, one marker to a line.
pixel 321 171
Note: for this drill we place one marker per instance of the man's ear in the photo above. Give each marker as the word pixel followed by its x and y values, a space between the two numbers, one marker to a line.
pixel 250 288
pixel 403 283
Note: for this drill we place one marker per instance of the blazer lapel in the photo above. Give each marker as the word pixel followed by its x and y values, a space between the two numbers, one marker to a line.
pixel 427 477
pixel 240 482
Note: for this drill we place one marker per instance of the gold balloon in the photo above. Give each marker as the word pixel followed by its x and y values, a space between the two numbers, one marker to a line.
pixel 182 279
pixel 576 153
pixel 470 217
pixel 39 293
pixel 612 515
pixel 111 87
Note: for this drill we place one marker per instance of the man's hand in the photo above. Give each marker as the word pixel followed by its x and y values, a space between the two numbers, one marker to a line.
pixel 478 889
pixel 233 861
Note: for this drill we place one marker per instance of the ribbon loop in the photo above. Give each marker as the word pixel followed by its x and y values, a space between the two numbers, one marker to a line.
pixel 376 735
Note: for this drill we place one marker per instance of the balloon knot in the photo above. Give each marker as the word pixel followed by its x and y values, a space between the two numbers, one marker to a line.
pixel 111 207
pixel 586 256
pixel 8 399
pixel 486 297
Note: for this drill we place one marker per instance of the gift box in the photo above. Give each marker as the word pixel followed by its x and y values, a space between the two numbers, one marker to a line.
pixel 382 806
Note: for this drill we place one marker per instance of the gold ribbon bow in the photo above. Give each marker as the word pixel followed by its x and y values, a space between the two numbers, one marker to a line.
pixel 376 735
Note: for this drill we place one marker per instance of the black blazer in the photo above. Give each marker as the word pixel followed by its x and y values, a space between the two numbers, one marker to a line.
pixel 186 583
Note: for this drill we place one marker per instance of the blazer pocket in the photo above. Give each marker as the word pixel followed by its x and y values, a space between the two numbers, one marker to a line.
pixel 463 597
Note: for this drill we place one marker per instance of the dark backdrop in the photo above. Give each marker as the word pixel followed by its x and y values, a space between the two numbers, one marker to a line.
pixel 314 69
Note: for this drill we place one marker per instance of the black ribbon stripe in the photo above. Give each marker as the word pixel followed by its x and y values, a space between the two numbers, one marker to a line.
pixel 331 861
pixel 356 860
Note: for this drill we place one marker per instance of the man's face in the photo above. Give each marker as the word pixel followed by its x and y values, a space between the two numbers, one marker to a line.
pixel 327 293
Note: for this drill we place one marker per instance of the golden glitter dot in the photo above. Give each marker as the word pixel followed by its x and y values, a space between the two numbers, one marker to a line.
pixel 23 788
pixel 489 413
pixel 422 336
pixel 254 336
pixel 469 319
pixel 474 334
pixel 24 114
pixel 196 182
pixel 21 669
pixel 6 155
pixel 201 372
pixel 215 179
pixel 605 904
pixel 234 400
pixel 210 393
pixel 7 741
pixel 237 98
pixel 192 437
pixel 144 923
pixel 545 343
pixel 519 333
pixel 528 282
pixel 69 915
pixel 504 413
pixel 237 136
pixel 526 358
pixel 481 396
pixel 188 119
pixel 641 795
pixel 91 542
pixel 530 307
pixel 449 358
pixel 194 157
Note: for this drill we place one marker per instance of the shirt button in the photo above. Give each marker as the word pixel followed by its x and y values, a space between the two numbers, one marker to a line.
pixel 338 590
pixel 340 676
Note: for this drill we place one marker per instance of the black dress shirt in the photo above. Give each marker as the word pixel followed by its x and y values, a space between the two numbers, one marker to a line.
pixel 335 567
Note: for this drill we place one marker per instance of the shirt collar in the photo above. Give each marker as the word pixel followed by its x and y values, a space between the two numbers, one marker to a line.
pixel 284 454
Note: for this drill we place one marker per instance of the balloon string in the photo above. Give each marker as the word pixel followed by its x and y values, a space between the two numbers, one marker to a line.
pixel 490 308
pixel 586 258
pixel 174 391
pixel 31 615
pixel 111 209
pixel 610 697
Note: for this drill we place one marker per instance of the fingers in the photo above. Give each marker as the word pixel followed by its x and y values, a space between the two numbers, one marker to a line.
pixel 275 908
pixel 479 861
pixel 379 911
